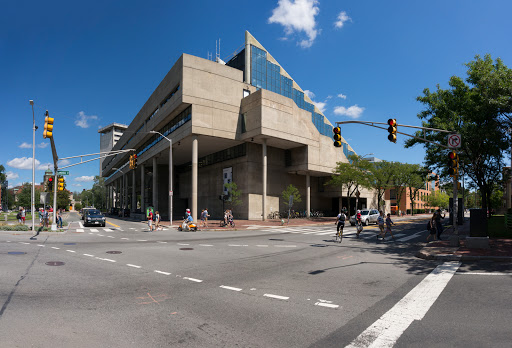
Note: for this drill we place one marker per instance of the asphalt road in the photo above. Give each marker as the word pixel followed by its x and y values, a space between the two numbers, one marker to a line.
pixel 122 286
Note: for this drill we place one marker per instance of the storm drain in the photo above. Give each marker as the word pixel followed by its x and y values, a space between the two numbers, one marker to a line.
pixel 186 248
pixel 54 263
pixel 16 253
pixel 114 252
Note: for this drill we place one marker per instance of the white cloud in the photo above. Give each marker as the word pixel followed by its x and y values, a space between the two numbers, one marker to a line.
pixel 84 178
pixel 82 120
pixel 297 16
pixel 14 185
pixel 310 94
pixel 321 106
pixel 77 185
pixel 22 163
pixel 353 111
pixel 44 166
pixel 42 145
pixel 64 162
pixel 342 96
pixel 342 18
pixel 25 145
pixel 12 175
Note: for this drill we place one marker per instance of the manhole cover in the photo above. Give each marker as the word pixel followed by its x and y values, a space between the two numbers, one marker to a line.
pixel 114 252
pixel 16 252
pixel 54 263
pixel 69 243
pixel 186 248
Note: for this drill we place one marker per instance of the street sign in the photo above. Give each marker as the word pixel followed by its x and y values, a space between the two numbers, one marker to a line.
pixel 62 172
pixel 454 141
pixel 170 193
pixel 43 197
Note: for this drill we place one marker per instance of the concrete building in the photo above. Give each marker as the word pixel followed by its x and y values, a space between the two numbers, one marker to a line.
pixel 246 121
pixel 109 136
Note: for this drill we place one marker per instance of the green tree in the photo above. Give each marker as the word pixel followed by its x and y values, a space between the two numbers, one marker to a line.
pixel 416 178
pixel 352 176
pixel 63 200
pixel 438 199
pixel 400 180
pixel 235 195
pixel 288 192
pixel 479 109
pixel 381 179
pixel 24 196
pixel 78 206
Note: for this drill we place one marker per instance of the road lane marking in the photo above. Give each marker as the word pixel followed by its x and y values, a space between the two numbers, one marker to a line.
pixel 108 222
pixel 230 288
pixel 125 238
pixel 483 273
pixel 413 306
pixel 71 251
pixel 88 255
pixel 23 243
pixel 94 230
pixel 41 245
pixel 107 230
pixel 404 239
pixel 193 279
pixel 276 296
pixel 130 265
pixel 110 237
pixel 80 224
pixel 285 246
pixel 81 230
pixel 101 235
pixel 55 248
pixel 161 242
pixel 238 245
pixel 182 244
pixel 262 246
pixel 328 305
pixel 143 240
pixel 161 272
pixel 206 245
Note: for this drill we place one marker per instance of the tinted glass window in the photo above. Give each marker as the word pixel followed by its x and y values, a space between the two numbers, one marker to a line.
pixel 364 212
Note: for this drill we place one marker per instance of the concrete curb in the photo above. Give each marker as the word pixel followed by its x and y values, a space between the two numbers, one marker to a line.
pixel 451 257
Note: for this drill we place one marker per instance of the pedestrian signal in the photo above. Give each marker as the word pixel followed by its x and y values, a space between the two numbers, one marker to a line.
pixel 336 136
pixel 48 126
pixel 392 130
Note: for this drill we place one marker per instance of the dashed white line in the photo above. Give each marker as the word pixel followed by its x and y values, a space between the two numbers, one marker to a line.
pixel 71 251
pixel 101 235
pixel 109 260
pixel 23 243
pixel 125 238
pixel 81 230
pixel 130 265
pixel 161 272
pixel 262 246
pixel 193 279
pixel 206 245
pixel 88 255
pixel 110 237
pixel 94 230
pixel 237 245
pixel 276 296
pixel 41 245
pixel 285 246
pixel 107 230
pixel 328 305
pixel 230 288
pixel 55 248
pixel 182 244
pixel 483 273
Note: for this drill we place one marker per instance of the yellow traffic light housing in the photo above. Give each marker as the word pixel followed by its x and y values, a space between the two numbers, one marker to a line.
pixel 134 159
pixel 48 126
pixel 453 164
pixel 392 130
pixel 61 184
pixel 336 136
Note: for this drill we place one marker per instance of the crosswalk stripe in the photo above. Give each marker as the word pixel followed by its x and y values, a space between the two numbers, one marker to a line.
pixel 107 230
pixel 79 229
pixel 409 237
pixel 94 230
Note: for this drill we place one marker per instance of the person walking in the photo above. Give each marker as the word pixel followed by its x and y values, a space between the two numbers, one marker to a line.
pixel 150 221
pixel 389 222
pixel 431 227
pixel 359 223
pixel 439 225
pixel 206 216
pixel 59 218
pixel 203 224
pixel 157 221
pixel 23 215
pixel 380 222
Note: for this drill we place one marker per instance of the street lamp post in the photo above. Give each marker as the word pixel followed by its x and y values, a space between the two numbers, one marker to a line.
pixel 170 175
pixel 33 164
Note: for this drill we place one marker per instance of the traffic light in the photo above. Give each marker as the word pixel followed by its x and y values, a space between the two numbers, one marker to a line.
pixel 131 162
pixel 392 130
pixel 50 184
pixel 453 164
pixel 61 183
pixel 134 158
pixel 48 126
pixel 336 136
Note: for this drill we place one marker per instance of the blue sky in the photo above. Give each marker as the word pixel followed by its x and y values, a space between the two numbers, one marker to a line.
pixel 96 62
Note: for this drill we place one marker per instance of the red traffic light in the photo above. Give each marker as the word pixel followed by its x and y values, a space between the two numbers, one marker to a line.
pixel 50 179
pixel 452 155
pixel 392 122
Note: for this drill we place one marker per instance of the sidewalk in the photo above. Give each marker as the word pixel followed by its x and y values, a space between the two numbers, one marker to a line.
pixel 500 249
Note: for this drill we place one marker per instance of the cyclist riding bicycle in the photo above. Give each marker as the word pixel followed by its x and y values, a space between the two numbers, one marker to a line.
pixel 340 224
pixel 359 223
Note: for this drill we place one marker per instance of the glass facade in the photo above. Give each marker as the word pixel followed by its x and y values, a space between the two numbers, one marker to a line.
pixel 267 75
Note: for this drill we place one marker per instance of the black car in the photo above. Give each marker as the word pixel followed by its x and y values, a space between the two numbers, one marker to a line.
pixel 94 217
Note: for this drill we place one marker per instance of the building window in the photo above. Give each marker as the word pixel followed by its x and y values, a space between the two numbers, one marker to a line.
pixel 173 92
pixel 392 194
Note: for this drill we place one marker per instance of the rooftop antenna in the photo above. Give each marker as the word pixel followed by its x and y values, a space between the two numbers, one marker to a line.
pixel 217 54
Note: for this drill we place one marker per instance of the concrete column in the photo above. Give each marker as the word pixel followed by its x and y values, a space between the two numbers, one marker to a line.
pixel 194 177
pixel 142 189
pixel 125 192
pixel 247 59
pixel 308 195
pixel 264 191
pixel 121 191
pixel 134 195
pixel 155 184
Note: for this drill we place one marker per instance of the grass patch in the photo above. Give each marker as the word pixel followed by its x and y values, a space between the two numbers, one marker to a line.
pixel 496 227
